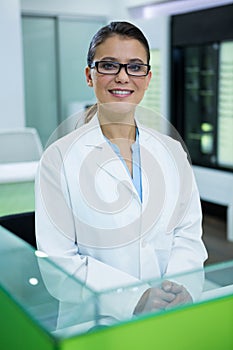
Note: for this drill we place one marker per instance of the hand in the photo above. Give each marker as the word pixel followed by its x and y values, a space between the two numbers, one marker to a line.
pixel 181 294
pixel 154 299
pixel 169 295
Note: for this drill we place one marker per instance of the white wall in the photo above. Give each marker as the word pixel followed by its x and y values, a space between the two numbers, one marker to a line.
pixel 111 9
pixel 89 8
pixel 11 66
pixel 132 3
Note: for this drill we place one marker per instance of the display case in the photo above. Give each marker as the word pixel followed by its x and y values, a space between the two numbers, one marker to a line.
pixel 202 84
pixel 43 307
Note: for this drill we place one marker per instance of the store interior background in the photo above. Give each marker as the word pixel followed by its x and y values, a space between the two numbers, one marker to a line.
pixel 154 19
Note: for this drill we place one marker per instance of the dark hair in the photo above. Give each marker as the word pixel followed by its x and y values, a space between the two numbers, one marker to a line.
pixel 116 28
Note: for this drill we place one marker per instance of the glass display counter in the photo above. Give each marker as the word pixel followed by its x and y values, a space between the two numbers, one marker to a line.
pixel 34 315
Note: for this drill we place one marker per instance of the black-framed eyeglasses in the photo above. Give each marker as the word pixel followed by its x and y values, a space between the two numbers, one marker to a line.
pixel 114 68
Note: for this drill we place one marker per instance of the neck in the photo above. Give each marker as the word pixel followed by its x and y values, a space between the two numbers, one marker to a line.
pixel 117 121
pixel 117 131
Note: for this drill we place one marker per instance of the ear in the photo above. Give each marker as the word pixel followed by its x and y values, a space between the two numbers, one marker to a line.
pixel 88 76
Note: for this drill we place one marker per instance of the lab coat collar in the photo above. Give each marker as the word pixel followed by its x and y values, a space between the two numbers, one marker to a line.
pixel 117 169
pixel 99 137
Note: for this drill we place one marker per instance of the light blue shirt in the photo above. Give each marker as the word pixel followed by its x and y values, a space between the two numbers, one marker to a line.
pixel 136 159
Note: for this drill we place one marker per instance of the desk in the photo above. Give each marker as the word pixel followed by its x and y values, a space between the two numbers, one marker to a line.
pixel 28 311
pixel 17 187
pixel 16 198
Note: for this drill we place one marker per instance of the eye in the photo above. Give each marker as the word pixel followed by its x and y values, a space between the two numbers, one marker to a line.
pixel 135 67
pixel 108 66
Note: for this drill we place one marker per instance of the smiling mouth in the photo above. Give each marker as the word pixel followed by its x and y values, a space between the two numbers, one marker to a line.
pixel 121 93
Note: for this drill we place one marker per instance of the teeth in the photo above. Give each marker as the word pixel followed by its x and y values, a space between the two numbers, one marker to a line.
pixel 120 92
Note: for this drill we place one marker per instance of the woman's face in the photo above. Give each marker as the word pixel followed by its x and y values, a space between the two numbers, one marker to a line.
pixel 120 87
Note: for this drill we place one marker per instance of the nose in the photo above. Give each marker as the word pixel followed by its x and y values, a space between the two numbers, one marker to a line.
pixel 122 76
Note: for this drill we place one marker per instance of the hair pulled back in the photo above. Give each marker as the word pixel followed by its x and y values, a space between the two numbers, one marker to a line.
pixel 124 29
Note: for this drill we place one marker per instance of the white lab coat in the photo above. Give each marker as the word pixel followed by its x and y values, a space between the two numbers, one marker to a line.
pixel 90 220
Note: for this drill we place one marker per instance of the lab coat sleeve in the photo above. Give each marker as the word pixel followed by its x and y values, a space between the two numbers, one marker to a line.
pixel 56 236
pixel 188 252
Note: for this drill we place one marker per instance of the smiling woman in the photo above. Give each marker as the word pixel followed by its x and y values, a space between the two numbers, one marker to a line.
pixel 107 208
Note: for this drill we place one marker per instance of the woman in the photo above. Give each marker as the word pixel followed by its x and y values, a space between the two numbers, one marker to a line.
pixel 116 203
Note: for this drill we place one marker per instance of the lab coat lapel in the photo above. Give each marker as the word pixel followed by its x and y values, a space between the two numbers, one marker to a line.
pixel 107 159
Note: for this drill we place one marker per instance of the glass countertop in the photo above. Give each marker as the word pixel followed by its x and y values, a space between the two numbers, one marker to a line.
pixel 64 306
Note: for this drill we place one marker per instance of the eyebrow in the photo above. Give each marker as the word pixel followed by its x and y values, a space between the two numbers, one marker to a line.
pixel 114 59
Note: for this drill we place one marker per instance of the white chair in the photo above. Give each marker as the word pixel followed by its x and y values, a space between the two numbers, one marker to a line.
pixel 20 151
pixel 20 145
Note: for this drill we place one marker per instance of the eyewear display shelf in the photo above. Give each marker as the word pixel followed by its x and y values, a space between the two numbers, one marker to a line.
pixel 202 83
pixel 43 307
